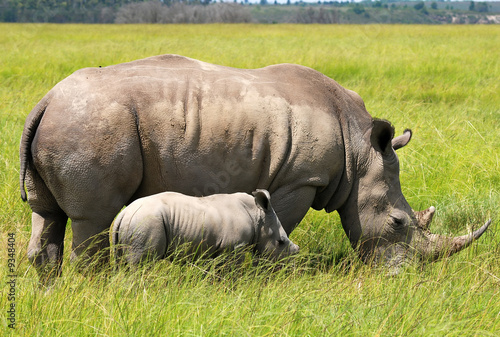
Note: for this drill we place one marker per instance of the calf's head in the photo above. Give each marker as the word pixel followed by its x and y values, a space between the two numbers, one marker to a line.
pixel 377 218
pixel 272 239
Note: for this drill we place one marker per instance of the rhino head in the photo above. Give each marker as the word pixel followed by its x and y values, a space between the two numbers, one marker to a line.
pixel 376 216
pixel 272 240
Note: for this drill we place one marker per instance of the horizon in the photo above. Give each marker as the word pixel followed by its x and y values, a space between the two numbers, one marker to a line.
pixel 271 2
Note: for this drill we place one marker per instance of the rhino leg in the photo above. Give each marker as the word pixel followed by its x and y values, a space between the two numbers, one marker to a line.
pixel 90 242
pixel 46 245
pixel 91 174
pixel 93 211
pixel 292 204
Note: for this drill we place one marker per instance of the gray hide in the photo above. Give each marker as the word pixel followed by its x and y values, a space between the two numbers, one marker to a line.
pixel 155 226
pixel 104 137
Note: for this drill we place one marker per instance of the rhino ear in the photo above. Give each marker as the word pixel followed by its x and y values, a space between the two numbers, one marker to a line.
pixel 381 136
pixel 262 199
pixel 402 140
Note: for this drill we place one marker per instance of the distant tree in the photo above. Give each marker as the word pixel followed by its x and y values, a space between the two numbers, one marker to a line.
pixel 358 9
pixel 141 12
pixel 434 5
pixel 377 4
pixel 156 12
pixel 482 7
pixel 313 15
pixel 419 5
pixel 471 6
pixel 263 2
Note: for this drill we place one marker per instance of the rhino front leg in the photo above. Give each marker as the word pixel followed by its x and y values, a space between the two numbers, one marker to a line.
pixel 292 204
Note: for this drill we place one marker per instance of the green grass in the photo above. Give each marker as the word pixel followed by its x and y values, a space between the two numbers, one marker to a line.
pixel 441 81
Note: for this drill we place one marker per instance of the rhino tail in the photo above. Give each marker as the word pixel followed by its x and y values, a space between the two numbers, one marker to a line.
pixel 115 239
pixel 115 227
pixel 30 127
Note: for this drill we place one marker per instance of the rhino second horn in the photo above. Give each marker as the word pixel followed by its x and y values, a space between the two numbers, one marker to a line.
pixel 424 218
pixel 439 245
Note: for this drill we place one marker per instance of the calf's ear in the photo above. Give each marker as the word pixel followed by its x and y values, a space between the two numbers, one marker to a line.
pixel 382 135
pixel 262 199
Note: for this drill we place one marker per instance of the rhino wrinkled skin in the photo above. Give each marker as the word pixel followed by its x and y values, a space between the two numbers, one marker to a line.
pixel 154 227
pixel 103 137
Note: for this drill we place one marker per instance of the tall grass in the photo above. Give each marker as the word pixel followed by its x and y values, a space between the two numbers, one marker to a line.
pixel 440 81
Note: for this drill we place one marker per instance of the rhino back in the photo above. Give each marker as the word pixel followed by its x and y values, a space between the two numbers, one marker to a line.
pixel 171 123
pixel 208 129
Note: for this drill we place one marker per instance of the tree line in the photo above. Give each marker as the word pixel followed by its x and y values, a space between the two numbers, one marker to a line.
pixel 210 11
pixel 121 11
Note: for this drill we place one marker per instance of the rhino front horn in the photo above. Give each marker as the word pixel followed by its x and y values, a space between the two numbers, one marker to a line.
pixel 438 245
pixel 461 242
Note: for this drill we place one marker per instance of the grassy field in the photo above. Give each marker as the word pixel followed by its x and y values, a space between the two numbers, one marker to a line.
pixel 441 81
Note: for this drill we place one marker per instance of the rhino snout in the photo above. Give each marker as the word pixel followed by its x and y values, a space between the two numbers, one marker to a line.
pixel 293 248
pixel 288 247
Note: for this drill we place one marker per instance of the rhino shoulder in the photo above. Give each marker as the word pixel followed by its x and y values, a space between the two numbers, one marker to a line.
pixel 294 70
pixel 167 61
pixel 356 98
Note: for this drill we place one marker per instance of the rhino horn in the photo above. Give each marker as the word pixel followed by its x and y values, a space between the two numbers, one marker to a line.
pixel 435 246
pixel 400 141
pixel 424 217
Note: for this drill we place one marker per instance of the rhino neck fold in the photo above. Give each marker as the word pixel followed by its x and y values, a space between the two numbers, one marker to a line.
pixel 345 199
pixel 352 147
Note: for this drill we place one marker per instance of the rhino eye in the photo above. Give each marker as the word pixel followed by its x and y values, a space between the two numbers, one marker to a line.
pixel 281 241
pixel 398 223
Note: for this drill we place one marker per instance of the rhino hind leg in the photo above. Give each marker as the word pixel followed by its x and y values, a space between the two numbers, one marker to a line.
pixel 90 224
pixel 46 245
pixel 90 245
pixel 45 249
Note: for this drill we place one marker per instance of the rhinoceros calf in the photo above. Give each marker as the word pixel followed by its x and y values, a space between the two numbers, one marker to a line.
pixel 154 226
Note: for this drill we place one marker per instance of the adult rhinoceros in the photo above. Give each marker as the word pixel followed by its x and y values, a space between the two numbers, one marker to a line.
pixel 104 137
